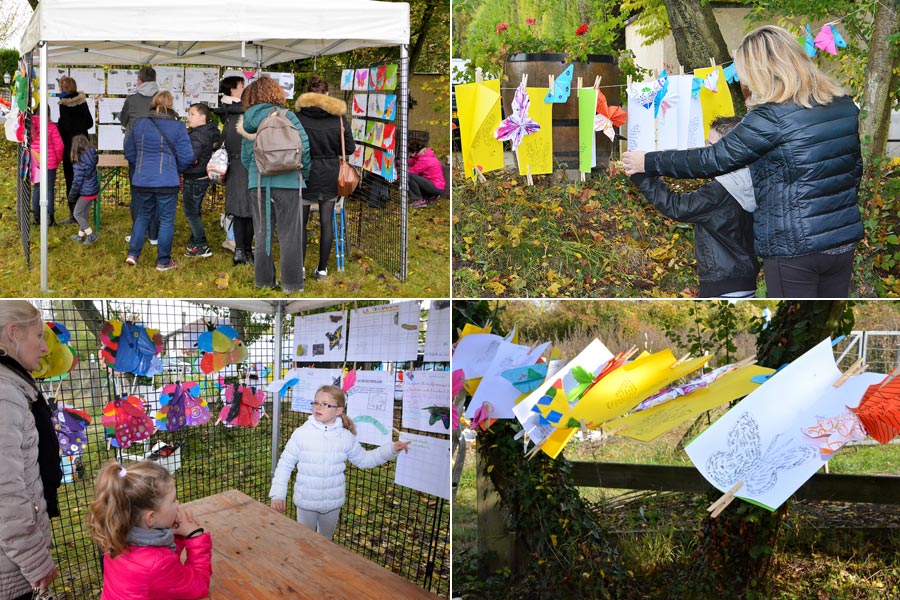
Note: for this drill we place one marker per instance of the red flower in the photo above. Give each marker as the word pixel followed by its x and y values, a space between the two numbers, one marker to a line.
pixel 582 30
pixel 501 27
pixel 530 21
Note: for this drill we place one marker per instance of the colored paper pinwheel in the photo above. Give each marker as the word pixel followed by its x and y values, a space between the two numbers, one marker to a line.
pixel 70 424
pixel 242 406
pixel 828 39
pixel 126 421
pixel 809 43
pixel 562 87
pixel 879 409
pixel 221 347
pixel 60 359
pixel 438 413
pixel 518 124
pixel 131 348
pixel 179 407
pixel 528 378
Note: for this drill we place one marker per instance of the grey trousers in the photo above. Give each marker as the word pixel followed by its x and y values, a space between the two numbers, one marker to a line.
pixel 286 220
pixel 323 523
pixel 82 213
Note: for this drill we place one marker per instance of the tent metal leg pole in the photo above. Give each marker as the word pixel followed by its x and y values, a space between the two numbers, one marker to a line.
pixel 44 117
pixel 277 374
pixel 401 161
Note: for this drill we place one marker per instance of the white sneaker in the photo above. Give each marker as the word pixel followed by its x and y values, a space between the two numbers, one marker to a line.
pixel 320 275
pixel 127 239
pixel 154 242
pixel 228 245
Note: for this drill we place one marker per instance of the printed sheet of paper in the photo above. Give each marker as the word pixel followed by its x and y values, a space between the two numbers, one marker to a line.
pixel 384 333
pixel 760 441
pixel 535 153
pixel 426 467
pixel 170 78
pixel 478 108
pixel 110 137
pixel 309 380
pixel 426 401
pixel 647 425
pixel 122 81
pixel 587 137
pixel 285 80
pixel 370 404
pixel 89 80
pixel 199 80
pixel 715 104
pixel 495 388
pixel 347 80
pixel 53 76
pixel 475 352
pixel 110 109
pixel 641 123
pixel 320 337
pixel 674 112
pixel 592 359
pixel 437 336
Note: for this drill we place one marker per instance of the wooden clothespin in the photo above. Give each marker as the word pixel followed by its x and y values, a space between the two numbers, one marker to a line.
pixel 525 80
pixel 479 75
pixel 597 81
pixel 681 69
pixel 631 352
pixel 680 360
pixel 584 430
pixel 528 178
pixel 750 360
pixel 849 372
pixel 716 508
pixel 550 82
pixel 579 83
pixel 628 81
pixel 58 388
pixel 537 447
pixel 655 73
pixel 712 62
pixel 889 378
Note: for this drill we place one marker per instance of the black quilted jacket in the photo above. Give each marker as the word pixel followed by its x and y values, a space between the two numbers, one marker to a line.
pixel 806 167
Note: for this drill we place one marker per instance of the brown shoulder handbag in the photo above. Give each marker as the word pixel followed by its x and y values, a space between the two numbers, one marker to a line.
pixel 348 176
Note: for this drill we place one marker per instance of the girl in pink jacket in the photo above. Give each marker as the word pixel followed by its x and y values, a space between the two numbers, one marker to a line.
pixel 426 174
pixel 55 150
pixel 136 521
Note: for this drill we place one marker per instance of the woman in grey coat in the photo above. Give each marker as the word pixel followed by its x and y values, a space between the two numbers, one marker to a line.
pixel 25 559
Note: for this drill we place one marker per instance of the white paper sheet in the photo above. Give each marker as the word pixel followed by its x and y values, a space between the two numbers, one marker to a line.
pixel 497 390
pixel 110 109
pixel 110 137
pixel 170 78
pixel 641 124
pixel 122 81
pixel 475 352
pixel 309 380
pixel 53 76
pixel 425 389
pixel 426 467
pixel 285 80
pixel 384 333
pixel 370 404
pixel 89 80
pixel 321 337
pixel 437 336
pixel 199 80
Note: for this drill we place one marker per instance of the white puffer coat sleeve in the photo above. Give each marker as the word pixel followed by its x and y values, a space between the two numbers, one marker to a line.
pixel 320 453
pixel 24 524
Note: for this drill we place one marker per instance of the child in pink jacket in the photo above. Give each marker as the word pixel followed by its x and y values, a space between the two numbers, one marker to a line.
pixel 55 152
pixel 142 543
pixel 426 174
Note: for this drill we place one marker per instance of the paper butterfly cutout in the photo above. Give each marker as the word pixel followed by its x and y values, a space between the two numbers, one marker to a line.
pixel 829 40
pixel 832 433
pixel 518 124
pixel 131 348
pixel 526 379
pixel 126 421
pixel 645 94
pixel 603 124
pixel 180 407
pixel 614 114
pixel 553 404
pixel 809 44
pixel 458 381
pixel 221 347
pixel 70 424
pixel 242 404
pixel 438 413
pixel 711 81
pixel 60 359
pixel 562 87
pixel 879 410
pixel 482 417
pixel 746 461
pixel 663 83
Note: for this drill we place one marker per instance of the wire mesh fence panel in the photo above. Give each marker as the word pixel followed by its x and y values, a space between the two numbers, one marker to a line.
pixel 403 530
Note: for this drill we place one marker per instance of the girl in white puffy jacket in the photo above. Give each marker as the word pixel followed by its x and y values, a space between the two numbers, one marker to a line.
pixel 320 449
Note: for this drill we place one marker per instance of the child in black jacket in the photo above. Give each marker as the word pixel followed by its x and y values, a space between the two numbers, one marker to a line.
pixel 203 136
pixel 722 214
pixel 85 187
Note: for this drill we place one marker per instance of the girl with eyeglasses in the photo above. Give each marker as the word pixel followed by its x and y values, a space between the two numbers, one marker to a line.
pixel 319 450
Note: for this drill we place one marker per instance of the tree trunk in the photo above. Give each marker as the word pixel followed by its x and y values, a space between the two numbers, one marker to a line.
pixel 735 549
pixel 698 38
pixel 416 50
pixel 93 318
pixel 875 102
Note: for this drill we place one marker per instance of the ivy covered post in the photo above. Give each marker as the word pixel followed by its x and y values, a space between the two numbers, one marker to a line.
pixel 735 550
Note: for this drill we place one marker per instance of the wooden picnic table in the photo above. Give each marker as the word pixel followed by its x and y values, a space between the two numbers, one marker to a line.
pixel 260 553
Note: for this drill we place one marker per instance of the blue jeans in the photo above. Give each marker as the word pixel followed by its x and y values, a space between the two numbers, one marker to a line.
pixel 136 209
pixel 36 197
pixel 192 194
pixel 162 205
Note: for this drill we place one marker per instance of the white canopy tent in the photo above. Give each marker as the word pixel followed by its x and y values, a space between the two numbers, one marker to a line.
pixel 231 33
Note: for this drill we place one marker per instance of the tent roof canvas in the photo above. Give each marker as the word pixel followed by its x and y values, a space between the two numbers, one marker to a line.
pixel 233 33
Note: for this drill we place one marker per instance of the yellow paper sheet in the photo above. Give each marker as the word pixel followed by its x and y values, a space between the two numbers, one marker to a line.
pixel 715 104
pixel 536 150
pixel 629 385
pixel 478 109
pixel 647 425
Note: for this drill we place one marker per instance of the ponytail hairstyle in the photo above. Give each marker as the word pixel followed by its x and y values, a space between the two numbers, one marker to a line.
pixel 121 497
pixel 80 143
pixel 162 102
pixel 339 397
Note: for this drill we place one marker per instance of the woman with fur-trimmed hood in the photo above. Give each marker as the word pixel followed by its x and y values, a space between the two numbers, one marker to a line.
pixel 321 117
pixel 74 119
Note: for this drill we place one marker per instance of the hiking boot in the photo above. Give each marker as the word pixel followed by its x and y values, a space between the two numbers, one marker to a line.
pixel 166 266
pixel 131 260
pixel 89 239
pixel 198 251
pixel 242 257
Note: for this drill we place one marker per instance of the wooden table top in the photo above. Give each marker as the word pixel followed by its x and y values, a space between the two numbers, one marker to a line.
pixel 260 553
pixel 111 160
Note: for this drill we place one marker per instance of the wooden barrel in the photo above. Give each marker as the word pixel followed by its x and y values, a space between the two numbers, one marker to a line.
pixel 539 67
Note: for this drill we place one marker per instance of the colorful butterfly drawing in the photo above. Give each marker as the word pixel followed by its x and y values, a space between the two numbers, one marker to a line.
pixel 180 407
pixel 879 409
pixel 360 103
pixel 131 348
pixel 528 378
pixel 829 40
pixel 711 81
pixel 70 424
pixel 126 421
pixel 347 79
pixel 438 413
pixel 334 338
pixel 809 44
pixel 221 347
pixel 832 433
pixel 562 87
pixel 60 359
pixel 242 405
pixel 518 124
pixel 362 79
